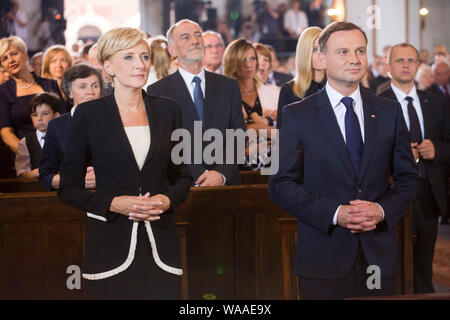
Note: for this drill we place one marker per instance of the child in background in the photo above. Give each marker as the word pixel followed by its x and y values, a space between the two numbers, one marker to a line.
pixel 4 75
pixel 43 108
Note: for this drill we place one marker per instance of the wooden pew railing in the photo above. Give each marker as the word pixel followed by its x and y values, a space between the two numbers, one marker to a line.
pixel 32 185
pixel 233 245
pixel 40 239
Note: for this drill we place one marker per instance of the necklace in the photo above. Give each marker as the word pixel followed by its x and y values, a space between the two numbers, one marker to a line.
pixel 26 87
pixel 248 93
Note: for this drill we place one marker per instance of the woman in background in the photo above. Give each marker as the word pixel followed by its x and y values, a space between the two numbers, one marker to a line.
pixel 81 83
pixel 264 67
pixel 310 77
pixel 160 61
pixel 241 62
pixel 16 93
pixel 55 62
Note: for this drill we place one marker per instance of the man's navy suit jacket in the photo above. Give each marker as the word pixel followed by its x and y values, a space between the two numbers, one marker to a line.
pixel 54 148
pixel 316 176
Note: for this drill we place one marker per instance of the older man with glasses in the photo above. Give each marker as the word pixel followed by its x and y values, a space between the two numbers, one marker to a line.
pixel 214 49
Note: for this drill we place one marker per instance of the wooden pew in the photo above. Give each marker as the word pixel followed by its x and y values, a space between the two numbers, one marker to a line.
pixel 253 177
pixel 40 239
pixel 405 278
pixel 20 185
pixel 27 185
pixel 233 244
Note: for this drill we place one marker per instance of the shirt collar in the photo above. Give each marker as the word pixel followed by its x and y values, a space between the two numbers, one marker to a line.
pixel 401 95
pixel 335 97
pixel 72 111
pixel 188 77
pixel 40 134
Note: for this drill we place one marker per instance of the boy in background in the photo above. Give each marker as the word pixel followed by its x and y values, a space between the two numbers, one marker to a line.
pixel 43 108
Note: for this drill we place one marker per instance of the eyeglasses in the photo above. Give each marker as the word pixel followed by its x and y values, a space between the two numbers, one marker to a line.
pixel 217 46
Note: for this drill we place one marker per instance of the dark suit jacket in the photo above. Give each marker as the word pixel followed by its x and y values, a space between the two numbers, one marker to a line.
pixel 54 148
pixel 437 129
pixel 316 176
pixel 97 135
pixel 287 96
pixel 435 91
pixel 222 110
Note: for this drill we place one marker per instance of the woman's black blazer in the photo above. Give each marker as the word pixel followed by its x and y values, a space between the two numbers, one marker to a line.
pixel 97 137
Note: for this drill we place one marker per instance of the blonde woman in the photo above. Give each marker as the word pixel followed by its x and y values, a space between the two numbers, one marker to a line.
pixel 55 62
pixel 132 248
pixel 310 76
pixel 160 61
pixel 16 93
pixel 424 77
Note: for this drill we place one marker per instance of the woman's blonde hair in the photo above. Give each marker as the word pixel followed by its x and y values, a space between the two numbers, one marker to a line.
pixel 14 41
pixel 234 57
pixel 118 39
pixel 160 57
pixel 48 56
pixel 303 61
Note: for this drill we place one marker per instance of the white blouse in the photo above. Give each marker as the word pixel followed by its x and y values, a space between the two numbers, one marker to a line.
pixel 139 138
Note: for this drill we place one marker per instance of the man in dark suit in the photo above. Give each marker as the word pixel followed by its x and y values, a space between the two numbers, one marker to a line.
pixel 53 153
pixel 429 127
pixel 213 99
pixel 338 149
pixel 441 85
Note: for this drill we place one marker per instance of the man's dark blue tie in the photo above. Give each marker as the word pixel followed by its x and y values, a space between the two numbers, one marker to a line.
pixel 353 134
pixel 198 97
pixel 415 132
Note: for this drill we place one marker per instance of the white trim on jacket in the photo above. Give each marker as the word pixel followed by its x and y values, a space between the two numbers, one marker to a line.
pixel 131 252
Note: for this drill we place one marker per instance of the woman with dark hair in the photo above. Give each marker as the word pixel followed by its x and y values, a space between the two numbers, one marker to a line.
pixel 80 83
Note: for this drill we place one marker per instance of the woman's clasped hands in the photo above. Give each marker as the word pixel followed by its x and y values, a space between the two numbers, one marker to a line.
pixel 141 208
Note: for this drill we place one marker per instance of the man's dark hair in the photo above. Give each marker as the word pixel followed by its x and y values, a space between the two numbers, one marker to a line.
pixel 48 98
pixel 79 71
pixel 335 27
pixel 402 45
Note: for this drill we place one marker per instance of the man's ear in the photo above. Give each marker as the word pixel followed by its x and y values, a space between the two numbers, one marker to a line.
pixel 172 51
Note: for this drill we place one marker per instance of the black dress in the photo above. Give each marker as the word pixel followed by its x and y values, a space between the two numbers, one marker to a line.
pixel 14 113
pixel 287 96
pixel 125 259
pixel 256 162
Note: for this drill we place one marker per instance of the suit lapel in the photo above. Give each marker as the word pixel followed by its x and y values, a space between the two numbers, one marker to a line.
pixel 117 127
pixel 370 131
pixel 330 124
pixel 427 114
pixel 389 94
pixel 183 96
pixel 210 95
pixel 152 116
